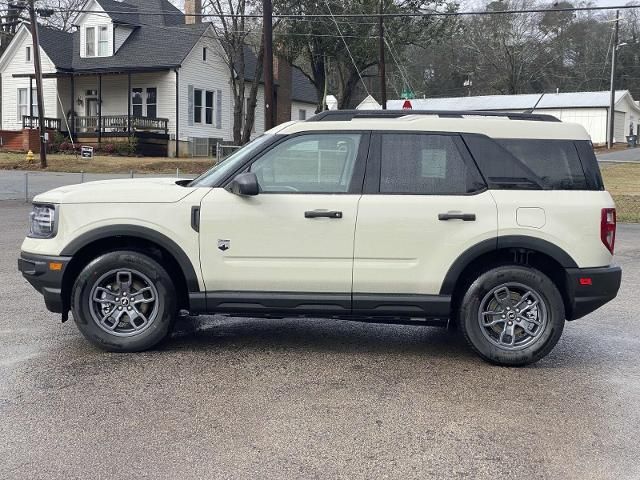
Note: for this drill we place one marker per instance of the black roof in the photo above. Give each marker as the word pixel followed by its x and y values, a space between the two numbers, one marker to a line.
pixel 302 89
pixel 348 115
pixel 147 47
pixel 155 42
pixel 58 46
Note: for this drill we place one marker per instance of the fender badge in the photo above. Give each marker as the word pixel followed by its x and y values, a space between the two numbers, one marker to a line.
pixel 224 245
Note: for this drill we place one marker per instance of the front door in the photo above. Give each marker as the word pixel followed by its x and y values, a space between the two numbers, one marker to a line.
pixel 290 246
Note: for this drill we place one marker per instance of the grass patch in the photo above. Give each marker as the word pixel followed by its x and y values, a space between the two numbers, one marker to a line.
pixel 623 182
pixel 105 164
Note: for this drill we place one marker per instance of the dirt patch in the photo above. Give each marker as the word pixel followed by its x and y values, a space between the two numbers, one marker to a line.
pixel 106 164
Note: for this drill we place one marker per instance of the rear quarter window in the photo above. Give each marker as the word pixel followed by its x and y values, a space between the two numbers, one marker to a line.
pixel 555 162
pixel 535 163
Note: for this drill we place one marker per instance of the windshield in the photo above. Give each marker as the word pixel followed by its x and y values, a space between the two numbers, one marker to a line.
pixel 232 162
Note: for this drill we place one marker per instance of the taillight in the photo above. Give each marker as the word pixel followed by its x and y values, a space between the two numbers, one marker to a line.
pixel 608 228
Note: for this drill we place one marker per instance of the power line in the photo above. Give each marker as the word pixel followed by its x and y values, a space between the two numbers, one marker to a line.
pixel 307 17
pixel 348 49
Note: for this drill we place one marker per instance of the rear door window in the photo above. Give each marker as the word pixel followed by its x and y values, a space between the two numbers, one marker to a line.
pixel 425 164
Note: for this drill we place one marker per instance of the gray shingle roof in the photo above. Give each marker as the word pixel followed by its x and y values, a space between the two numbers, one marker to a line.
pixel 146 47
pixel 120 12
pixel 57 45
pixel 302 89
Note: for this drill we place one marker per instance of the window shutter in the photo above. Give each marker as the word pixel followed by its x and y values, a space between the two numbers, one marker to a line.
pixel 219 109
pixel 190 105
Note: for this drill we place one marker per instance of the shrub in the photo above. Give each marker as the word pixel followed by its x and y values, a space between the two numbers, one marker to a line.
pixel 108 148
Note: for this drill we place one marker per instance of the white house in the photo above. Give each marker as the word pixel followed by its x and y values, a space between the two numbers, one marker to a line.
pixel 590 109
pixel 132 68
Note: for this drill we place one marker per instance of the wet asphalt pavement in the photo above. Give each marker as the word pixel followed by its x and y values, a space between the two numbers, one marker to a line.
pixel 240 398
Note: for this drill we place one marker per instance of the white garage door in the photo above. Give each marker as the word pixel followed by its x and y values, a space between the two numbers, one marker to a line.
pixel 619 128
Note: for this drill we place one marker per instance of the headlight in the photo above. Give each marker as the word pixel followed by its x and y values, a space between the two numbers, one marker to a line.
pixel 42 221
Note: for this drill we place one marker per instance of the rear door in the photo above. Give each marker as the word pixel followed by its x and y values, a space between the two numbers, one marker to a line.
pixel 423 205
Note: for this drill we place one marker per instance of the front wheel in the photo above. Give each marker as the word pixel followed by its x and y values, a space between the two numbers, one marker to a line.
pixel 124 301
pixel 512 315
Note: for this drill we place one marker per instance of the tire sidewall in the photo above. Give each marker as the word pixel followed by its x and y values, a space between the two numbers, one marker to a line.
pixel 80 299
pixel 529 277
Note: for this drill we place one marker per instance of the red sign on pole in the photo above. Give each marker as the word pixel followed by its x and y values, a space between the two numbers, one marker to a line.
pixel 406 105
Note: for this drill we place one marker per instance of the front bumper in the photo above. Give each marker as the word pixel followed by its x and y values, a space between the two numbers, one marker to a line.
pixel 45 273
pixel 590 288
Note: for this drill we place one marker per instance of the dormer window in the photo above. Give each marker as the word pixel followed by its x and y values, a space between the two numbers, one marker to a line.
pixel 90 41
pixel 103 41
pixel 96 43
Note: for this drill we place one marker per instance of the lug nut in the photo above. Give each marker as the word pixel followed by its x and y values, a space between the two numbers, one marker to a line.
pixel 128 308
pixel 119 308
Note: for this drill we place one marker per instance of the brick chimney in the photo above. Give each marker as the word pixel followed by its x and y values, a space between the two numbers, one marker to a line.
pixel 192 7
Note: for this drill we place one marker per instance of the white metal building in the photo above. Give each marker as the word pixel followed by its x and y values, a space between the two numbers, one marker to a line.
pixel 589 109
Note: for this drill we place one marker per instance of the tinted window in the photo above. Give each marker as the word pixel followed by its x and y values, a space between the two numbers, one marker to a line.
pixel 425 164
pixel 555 162
pixel 310 163
pixel 499 167
pixel 589 164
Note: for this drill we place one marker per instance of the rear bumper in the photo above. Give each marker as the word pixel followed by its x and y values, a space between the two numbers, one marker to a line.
pixel 38 271
pixel 590 288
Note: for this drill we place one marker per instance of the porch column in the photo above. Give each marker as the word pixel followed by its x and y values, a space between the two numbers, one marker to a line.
pixel 129 104
pixel 72 127
pixel 177 114
pixel 99 108
pixel 30 97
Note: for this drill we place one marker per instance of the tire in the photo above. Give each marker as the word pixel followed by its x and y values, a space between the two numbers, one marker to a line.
pixel 124 301
pixel 510 337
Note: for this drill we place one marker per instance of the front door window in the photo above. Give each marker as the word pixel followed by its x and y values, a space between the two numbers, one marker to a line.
pixel 318 163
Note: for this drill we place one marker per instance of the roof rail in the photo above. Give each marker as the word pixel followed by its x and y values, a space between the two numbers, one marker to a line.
pixel 347 115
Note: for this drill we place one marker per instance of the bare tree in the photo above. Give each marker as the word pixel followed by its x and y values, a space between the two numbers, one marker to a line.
pixel 235 34
pixel 64 11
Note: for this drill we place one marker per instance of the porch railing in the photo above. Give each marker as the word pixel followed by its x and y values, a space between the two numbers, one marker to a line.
pixel 29 121
pixel 120 123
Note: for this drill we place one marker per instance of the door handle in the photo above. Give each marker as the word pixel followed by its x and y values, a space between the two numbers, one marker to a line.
pixel 322 213
pixel 465 217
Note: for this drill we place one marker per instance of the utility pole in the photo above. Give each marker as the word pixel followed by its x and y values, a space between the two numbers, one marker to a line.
pixel 612 98
pixel 381 64
pixel 267 28
pixel 38 72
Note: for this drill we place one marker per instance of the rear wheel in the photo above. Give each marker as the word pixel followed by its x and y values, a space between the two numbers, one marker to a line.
pixel 512 315
pixel 124 301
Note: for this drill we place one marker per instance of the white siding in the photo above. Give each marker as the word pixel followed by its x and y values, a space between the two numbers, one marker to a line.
pixel 16 63
pixel 95 19
pixel 620 127
pixel 115 98
pixel 594 120
pixel 310 110
pixel 212 75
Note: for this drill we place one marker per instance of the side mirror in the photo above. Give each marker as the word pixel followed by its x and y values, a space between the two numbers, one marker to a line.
pixel 245 184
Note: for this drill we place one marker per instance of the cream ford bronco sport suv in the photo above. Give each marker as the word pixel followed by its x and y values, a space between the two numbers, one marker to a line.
pixel 497 223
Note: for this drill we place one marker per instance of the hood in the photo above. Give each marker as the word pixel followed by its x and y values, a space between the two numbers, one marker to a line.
pixel 130 190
